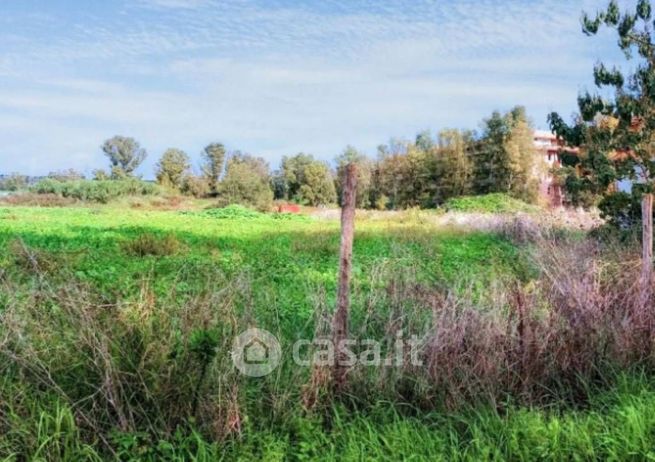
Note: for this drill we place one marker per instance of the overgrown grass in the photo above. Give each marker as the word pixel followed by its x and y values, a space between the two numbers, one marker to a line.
pixel 617 426
pixel 117 327
pixel 489 203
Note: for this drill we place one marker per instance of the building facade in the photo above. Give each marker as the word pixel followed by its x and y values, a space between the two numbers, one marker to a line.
pixel 548 149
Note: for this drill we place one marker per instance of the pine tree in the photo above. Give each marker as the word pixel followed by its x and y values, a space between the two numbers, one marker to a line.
pixel 617 136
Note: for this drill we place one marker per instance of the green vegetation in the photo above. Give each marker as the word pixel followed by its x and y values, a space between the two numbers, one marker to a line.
pixel 247 181
pixel 118 323
pixel 617 426
pixel 101 191
pixel 489 203
pixel 612 130
pixel 13 182
pixel 172 168
pixel 425 173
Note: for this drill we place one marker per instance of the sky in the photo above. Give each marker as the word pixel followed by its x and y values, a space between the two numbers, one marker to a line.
pixel 276 77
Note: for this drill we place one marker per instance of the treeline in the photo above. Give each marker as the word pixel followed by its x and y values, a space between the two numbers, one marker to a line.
pixel 424 172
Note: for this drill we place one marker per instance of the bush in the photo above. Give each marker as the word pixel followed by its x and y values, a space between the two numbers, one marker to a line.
pixel 233 212
pixel 239 212
pixel 13 182
pixel 621 210
pixel 152 244
pixel 37 200
pixel 195 186
pixel 489 203
pixel 95 191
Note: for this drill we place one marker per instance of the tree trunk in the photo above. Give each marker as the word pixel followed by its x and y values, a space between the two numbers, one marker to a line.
pixel 340 321
pixel 647 238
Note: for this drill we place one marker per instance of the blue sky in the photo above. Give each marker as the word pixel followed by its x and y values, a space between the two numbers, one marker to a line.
pixel 275 77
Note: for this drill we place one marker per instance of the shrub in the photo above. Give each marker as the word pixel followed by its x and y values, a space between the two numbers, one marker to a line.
pixel 153 244
pixel 195 186
pixel 95 191
pixel 13 182
pixel 233 212
pixel 621 210
pixel 489 203
pixel 246 182
pixel 37 200
pixel 239 212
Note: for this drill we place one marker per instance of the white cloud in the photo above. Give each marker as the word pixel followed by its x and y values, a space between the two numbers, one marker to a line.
pixel 275 79
pixel 173 3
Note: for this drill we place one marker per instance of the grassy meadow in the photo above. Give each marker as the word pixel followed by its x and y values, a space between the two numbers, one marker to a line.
pixel 118 319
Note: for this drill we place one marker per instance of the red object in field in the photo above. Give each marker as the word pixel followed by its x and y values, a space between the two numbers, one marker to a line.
pixel 288 208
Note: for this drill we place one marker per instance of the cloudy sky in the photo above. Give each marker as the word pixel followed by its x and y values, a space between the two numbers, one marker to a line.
pixel 275 77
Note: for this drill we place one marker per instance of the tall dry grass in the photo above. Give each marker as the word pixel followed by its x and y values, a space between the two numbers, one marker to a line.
pixel 586 316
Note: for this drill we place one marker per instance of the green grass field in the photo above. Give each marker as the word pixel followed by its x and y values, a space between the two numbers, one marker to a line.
pixel 108 302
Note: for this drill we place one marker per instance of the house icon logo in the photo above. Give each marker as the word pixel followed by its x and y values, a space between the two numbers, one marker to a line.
pixel 256 352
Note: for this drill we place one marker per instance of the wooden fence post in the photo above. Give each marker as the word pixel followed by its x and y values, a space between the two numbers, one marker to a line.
pixel 340 320
pixel 647 238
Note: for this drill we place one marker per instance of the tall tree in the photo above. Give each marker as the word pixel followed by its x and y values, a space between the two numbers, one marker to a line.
pixel 492 171
pixel 213 163
pixel 390 179
pixel 125 155
pixel 292 174
pixel 364 175
pixel 13 182
pixel 525 165
pixel 505 156
pixel 247 182
pixel 616 136
pixel 307 180
pixel 454 165
pixel 424 141
pixel 172 168
pixel 318 186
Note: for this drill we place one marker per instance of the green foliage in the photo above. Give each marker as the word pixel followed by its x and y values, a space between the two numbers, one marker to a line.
pixel 405 175
pixel 489 203
pixel 239 212
pixel 505 159
pixel 149 339
pixel 95 191
pixel 232 212
pixel 213 163
pixel 492 170
pixel 66 175
pixel 306 180
pixel 615 135
pixel 180 447
pixel 615 425
pixel 427 173
pixel 125 155
pixel 203 344
pixel 622 210
pixel 100 175
pixel 454 164
pixel 13 182
pixel 152 244
pixel 172 168
pixel 246 182
pixel 196 186
pixel 364 175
